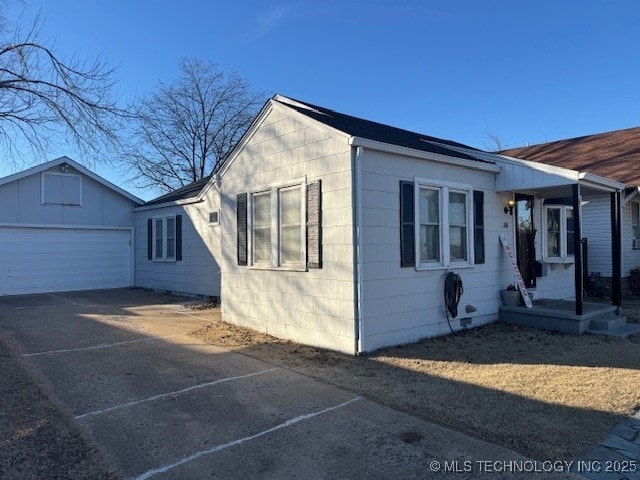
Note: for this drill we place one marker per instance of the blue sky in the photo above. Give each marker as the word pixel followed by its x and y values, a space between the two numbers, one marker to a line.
pixel 528 72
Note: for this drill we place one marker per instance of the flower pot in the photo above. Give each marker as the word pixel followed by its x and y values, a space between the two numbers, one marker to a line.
pixel 510 298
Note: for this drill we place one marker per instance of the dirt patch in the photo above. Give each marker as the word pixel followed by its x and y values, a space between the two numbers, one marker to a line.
pixel 547 395
pixel 37 439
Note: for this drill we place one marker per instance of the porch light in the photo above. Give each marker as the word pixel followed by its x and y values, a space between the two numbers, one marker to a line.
pixel 509 208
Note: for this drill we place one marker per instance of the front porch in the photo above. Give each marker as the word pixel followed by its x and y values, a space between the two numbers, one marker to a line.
pixel 560 316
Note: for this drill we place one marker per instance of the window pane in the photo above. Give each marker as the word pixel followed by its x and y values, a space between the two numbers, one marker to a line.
pixel 570 236
pixel 429 206
pixel 635 216
pixel 171 228
pixel 290 223
pixel 171 248
pixel 159 241
pixel 458 243
pixel 429 243
pixel 553 232
pixel 290 251
pixel 290 206
pixel 457 209
pixel 261 233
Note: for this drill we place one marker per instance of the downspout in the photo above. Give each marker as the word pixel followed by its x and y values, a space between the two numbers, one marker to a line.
pixel 356 201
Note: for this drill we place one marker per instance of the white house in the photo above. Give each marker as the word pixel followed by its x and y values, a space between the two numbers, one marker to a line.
pixel 62 227
pixel 339 232
pixel 177 241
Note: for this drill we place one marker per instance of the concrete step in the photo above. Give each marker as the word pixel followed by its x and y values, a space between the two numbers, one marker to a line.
pixel 622 331
pixel 607 322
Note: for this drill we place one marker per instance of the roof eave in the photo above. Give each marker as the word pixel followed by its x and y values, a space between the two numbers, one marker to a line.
pixel 174 203
pixel 412 152
pixel 597 181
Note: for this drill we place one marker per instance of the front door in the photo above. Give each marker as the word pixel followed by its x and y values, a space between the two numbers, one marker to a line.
pixel 525 239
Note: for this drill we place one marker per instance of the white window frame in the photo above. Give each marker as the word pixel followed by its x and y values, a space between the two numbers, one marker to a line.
pixel 217 212
pixel 444 188
pixel 564 256
pixel 274 191
pixel 164 257
pixel 60 174
pixel 635 242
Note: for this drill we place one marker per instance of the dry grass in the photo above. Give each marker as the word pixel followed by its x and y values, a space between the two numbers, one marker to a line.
pixel 38 440
pixel 547 395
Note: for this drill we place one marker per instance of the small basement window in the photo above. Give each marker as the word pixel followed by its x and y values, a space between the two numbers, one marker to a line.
pixel 214 218
pixel 61 189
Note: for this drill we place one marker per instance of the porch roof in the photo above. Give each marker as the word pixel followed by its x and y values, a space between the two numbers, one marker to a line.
pixel 527 176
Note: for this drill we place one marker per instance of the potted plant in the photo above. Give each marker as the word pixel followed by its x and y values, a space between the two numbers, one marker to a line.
pixel 511 296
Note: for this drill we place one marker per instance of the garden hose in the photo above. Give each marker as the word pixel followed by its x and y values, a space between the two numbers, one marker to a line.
pixel 452 292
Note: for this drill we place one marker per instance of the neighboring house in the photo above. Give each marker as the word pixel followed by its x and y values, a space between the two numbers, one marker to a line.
pixel 178 241
pixel 614 155
pixel 62 227
pixel 339 232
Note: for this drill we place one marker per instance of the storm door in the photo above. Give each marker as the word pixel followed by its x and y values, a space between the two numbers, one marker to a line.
pixel 525 239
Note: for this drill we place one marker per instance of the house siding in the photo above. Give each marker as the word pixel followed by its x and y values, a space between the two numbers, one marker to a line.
pixel 316 306
pixel 198 272
pixel 597 209
pixel 400 305
pixel 21 201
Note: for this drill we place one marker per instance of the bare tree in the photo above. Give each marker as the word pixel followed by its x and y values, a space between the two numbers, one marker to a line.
pixel 184 130
pixel 43 96
pixel 495 143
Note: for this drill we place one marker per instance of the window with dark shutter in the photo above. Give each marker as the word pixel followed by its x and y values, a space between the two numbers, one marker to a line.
pixel 178 237
pixel 407 233
pixel 478 226
pixel 150 239
pixel 241 217
pixel 314 225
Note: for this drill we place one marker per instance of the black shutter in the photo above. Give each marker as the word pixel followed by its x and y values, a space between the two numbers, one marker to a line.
pixel 478 226
pixel 241 217
pixel 178 237
pixel 314 225
pixel 407 232
pixel 150 239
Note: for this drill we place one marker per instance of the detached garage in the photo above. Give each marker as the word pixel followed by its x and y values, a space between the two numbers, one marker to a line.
pixel 64 228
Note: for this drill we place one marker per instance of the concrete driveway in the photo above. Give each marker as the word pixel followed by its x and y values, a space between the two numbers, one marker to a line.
pixel 161 404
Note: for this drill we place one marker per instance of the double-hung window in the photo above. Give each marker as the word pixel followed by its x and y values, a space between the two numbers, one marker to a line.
pixel 277 227
pixel 443 218
pixel 559 232
pixel 164 239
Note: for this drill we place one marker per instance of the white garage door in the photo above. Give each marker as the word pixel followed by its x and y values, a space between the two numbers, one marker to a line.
pixel 36 260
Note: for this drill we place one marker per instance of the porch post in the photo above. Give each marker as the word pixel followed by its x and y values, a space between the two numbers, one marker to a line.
pixel 577 250
pixel 616 251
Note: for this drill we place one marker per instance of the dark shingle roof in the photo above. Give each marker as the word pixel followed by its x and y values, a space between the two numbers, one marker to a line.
pixel 188 191
pixel 614 155
pixel 359 127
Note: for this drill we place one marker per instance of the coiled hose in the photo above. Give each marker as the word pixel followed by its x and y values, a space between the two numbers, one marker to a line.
pixel 452 292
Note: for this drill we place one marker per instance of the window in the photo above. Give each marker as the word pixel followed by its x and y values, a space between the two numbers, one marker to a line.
pixel 277 228
pixel 61 189
pixel 261 231
pixel 458 226
pixel 635 224
pixel 290 217
pixel 443 216
pixel 282 227
pixel 164 239
pixel 429 225
pixel 214 218
pixel 559 230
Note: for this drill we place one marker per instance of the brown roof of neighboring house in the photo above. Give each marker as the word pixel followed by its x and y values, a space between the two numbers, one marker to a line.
pixel 614 155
